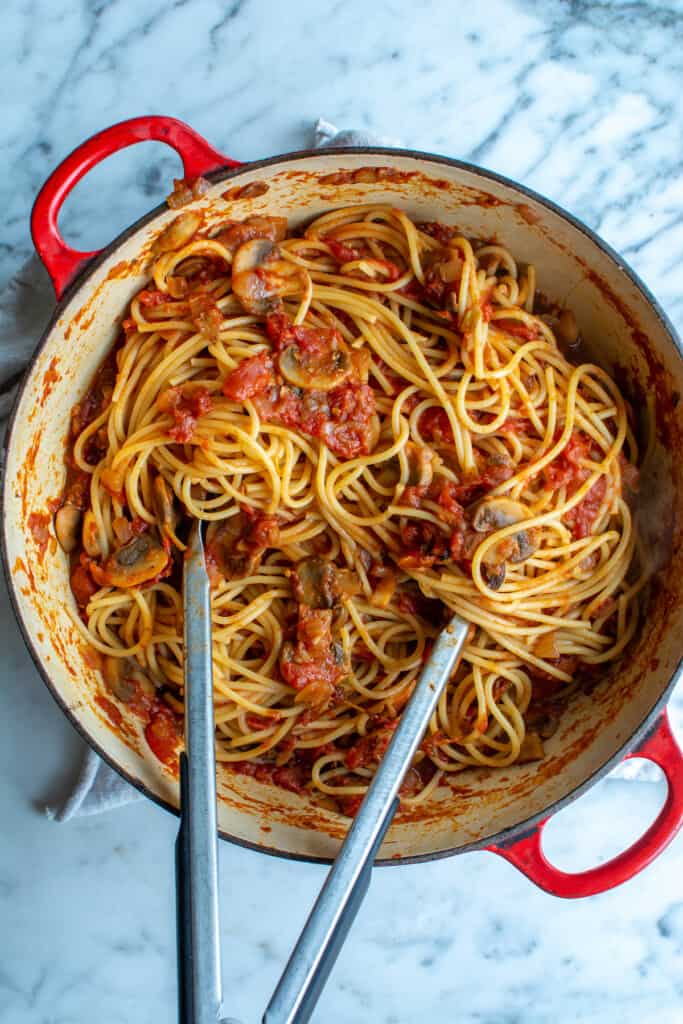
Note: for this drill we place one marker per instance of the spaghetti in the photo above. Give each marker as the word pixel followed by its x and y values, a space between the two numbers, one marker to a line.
pixel 376 421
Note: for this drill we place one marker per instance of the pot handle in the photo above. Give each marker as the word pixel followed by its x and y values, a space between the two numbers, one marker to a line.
pixel 527 854
pixel 61 261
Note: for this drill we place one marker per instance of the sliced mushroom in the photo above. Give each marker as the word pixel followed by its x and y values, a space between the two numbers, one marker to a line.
pixel 322 368
pixel 260 277
pixel 125 679
pixel 258 291
pixel 233 234
pixel 420 464
pixel 494 575
pixel 115 679
pixel 526 545
pixel 91 535
pixel 257 252
pixel 531 749
pixel 164 505
pixel 315 583
pixel 67 524
pixel 178 233
pixel 139 561
pixel 496 513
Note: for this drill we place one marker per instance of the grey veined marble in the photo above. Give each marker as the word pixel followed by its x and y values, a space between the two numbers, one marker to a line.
pixel 582 101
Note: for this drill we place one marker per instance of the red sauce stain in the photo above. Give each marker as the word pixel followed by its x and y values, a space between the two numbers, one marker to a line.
pixel 39 527
pixel 60 647
pixel 27 471
pixel 91 657
pixel 50 378
pixel 163 735
pixel 110 710
pixel 250 191
pixel 20 566
pixel 121 269
pixel 85 316
pixel 527 214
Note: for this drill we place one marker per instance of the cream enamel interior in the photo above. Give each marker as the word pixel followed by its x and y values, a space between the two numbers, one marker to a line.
pixel 481 806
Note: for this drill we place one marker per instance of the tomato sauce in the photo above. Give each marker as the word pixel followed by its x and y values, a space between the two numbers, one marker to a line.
pixel 292 776
pixel 249 378
pixel 163 735
pixel 185 408
pixel 518 329
pixel 342 252
pixel 110 709
pixel 582 516
pixel 39 526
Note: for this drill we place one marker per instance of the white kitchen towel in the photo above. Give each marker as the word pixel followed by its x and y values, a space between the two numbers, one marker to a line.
pixel 25 307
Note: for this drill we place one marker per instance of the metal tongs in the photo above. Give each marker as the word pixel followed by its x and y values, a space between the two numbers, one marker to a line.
pixel 199 961
pixel 199 980
pixel 336 907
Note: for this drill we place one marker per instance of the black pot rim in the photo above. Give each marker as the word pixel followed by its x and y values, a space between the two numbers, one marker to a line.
pixel 505 837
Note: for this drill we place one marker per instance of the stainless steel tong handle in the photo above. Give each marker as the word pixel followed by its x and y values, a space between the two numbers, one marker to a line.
pixel 324 933
pixel 199 966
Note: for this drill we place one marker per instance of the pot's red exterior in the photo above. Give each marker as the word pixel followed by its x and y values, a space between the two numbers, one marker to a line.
pixel 64 263
pixel 527 854
pixel 61 261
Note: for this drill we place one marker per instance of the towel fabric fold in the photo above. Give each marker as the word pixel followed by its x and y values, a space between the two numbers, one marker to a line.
pixel 24 308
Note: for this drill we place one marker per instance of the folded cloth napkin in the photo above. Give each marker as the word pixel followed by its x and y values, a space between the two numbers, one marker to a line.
pixel 25 307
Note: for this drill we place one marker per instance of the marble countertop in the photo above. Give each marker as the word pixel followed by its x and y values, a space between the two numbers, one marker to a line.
pixel 583 102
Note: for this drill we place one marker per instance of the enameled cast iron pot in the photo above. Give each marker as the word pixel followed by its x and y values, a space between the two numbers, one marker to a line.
pixel 501 811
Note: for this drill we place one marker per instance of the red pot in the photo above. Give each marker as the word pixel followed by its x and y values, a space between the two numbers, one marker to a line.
pixel 502 811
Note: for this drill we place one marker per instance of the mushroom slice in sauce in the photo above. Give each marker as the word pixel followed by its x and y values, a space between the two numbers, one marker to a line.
pixel 138 561
pixel 254 254
pixel 495 514
pixel 178 233
pixel 67 526
pixel 419 460
pixel 260 277
pixel 125 679
pixel 315 583
pixel 494 575
pixel 235 233
pixel 322 367
pixel 258 288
